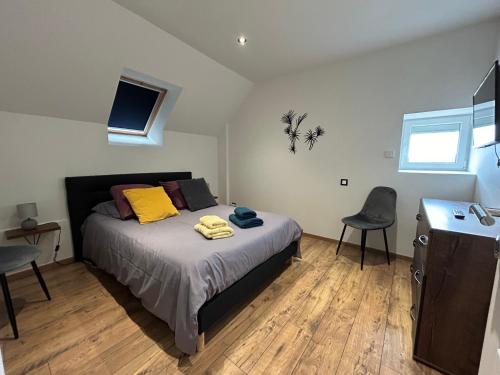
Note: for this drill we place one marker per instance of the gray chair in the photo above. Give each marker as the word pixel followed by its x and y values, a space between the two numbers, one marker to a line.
pixel 378 212
pixel 12 258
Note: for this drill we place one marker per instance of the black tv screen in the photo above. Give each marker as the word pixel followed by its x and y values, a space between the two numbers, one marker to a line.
pixel 486 110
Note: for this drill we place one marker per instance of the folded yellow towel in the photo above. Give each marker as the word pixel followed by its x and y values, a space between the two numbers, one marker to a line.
pixel 215 233
pixel 213 221
pixel 221 235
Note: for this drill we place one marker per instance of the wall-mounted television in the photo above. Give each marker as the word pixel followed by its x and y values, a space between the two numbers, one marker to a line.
pixel 486 110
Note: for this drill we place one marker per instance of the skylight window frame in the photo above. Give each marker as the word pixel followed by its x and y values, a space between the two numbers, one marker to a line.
pixel 154 112
pixel 436 122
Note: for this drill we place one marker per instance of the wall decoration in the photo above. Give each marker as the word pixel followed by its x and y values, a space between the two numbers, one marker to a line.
pixel 293 132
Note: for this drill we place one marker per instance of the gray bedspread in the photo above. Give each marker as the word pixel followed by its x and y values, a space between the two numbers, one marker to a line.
pixel 173 269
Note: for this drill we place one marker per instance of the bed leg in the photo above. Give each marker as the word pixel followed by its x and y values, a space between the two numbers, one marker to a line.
pixel 290 261
pixel 200 343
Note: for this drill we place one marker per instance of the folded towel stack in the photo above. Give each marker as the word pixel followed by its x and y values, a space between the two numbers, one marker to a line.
pixel 245 218
pixel 213 227
pixel 244 213
pixel 213 221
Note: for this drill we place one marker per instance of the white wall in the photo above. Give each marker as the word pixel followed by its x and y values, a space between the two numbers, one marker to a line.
pixel 63 58
pixel 222 140
pixel 36 153
pixel 360 102
pixel 488 192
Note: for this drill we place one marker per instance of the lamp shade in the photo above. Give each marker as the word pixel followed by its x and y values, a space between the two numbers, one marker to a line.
pixel 26 210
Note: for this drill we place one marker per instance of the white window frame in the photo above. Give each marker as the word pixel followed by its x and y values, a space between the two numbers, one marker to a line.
pixel 438 121
pixel 155 134
pixel 152 115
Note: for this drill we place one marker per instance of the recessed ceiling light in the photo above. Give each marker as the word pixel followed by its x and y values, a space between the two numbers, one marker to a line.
pixel 242 40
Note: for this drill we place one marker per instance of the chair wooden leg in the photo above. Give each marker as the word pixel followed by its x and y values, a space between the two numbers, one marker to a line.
pixel 363 246
pixel 386 248
pixel 40 279
pixel 8 304
pixel 341 238
pixel 200 342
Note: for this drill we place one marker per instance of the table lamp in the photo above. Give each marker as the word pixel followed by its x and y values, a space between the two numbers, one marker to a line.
pixel 26 212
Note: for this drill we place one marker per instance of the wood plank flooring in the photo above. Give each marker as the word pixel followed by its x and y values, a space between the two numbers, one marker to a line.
pixel 322 315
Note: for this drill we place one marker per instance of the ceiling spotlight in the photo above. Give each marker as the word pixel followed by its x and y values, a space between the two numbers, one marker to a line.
pixel 242 40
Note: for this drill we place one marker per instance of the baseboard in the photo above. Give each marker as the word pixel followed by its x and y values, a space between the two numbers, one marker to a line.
pixel 404 257
pixel 44 267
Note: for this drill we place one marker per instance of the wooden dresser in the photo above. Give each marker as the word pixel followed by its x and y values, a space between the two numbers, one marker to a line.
pixel 452 278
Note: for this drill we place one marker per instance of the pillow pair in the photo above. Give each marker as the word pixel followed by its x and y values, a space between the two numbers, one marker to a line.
pixel 151 204
pixel 148 203
pixel 192 194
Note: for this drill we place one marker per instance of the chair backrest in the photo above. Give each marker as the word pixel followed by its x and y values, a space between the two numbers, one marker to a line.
pixel 381 204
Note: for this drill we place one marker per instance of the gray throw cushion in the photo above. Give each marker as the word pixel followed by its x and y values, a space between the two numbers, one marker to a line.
pixel 196 194
pixel 107 209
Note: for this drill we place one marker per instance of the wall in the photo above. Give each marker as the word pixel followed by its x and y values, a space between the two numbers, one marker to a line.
pixel 488 192
pixel 360 102
pixel 63 58
pixel 36 153
pixel 222 140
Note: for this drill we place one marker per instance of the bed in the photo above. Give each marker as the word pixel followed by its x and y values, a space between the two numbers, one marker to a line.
pixel 184 279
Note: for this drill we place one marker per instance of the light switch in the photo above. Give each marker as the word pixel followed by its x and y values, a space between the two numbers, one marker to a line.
pixel 389 154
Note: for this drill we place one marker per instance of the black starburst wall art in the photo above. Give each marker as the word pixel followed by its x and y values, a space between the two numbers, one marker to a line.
pixel 292 131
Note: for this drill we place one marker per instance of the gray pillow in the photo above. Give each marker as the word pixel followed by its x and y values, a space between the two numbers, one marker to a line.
pixel 107 209
pixel 196 194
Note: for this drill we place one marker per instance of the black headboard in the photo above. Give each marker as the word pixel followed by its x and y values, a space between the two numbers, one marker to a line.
pixel 83 193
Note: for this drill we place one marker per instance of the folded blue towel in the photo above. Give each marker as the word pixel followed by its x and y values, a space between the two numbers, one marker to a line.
pixel 244 213
pixel 246 223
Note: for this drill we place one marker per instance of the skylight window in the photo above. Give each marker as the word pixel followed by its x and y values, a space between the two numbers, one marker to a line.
pixel 436 141
pixel 135 107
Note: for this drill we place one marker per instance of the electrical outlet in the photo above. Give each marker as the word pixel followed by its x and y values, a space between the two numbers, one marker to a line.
pixel 344 182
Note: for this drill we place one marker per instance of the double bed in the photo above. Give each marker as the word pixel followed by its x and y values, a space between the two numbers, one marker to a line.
pixel 181 277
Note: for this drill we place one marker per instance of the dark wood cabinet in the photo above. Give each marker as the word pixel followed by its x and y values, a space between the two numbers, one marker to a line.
pixel 452 278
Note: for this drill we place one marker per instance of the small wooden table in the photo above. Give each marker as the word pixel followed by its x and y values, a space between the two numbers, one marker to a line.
pixel 35 234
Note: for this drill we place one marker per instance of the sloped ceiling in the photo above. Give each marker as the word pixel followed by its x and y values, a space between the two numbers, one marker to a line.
pixel 63 58
pixel 290 35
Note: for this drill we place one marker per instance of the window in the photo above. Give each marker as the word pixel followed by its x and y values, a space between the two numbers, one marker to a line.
pixel 135 107
pixel 436 141
pixel 141 108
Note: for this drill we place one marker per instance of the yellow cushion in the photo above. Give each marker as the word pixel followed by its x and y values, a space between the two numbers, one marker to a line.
pixel 150 204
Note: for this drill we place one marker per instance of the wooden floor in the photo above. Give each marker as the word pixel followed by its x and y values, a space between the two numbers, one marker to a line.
pixel 320 316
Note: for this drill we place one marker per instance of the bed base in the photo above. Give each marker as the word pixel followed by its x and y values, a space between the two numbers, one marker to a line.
pixel 200 342
pixel 241 291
